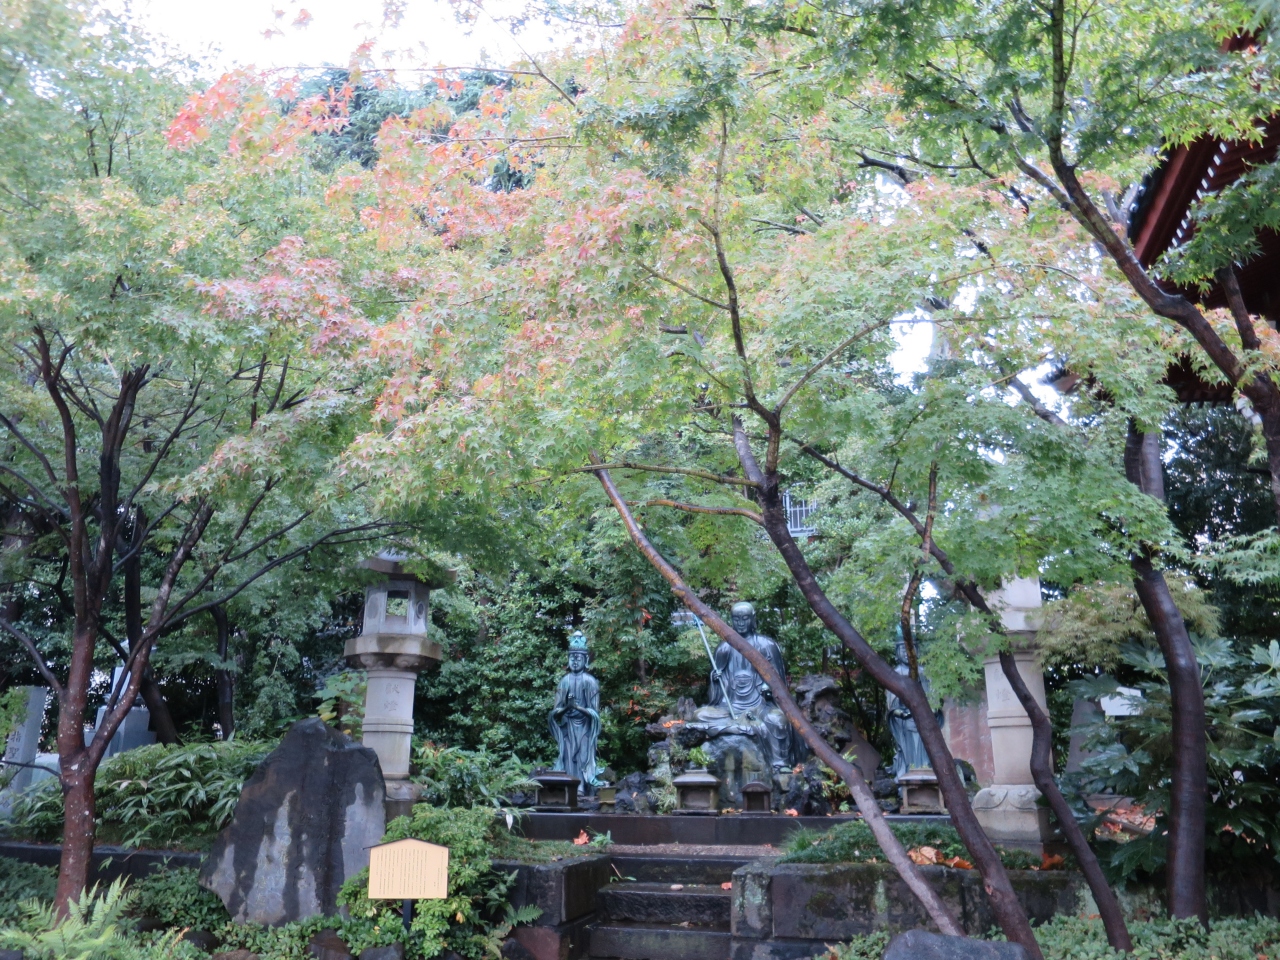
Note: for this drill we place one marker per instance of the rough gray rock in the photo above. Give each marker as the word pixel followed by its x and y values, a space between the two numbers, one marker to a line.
pixel 513 949
pixel 393 952
pixel 634 794
pixel 922 945
pixel 327 945
pixel 304 823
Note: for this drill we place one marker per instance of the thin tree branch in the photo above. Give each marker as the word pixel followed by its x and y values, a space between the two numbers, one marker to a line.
pixel 31 648
pixel 699 508
pixel 653 468
pixel 682 287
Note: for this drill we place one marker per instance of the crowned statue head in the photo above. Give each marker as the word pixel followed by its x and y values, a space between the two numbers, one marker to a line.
pixel 743 616
pixel 579 657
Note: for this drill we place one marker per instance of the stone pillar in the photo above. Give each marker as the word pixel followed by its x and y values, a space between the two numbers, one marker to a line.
pixel 1009 809
pixel 393 647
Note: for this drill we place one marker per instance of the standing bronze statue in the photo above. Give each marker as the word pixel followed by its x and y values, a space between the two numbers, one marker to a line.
pixel 911 753
pixel 739 702
pixel 575 719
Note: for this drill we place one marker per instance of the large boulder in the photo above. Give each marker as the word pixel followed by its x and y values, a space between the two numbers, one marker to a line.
pixel 922 945
pixel 304 824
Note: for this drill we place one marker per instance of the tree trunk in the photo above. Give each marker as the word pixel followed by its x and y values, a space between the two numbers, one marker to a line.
pixel 863 796
pixel 225 679
pixel 1004 902
pixel 1042 773
pixel 161 718
pixel 77 834
pixel 1188 787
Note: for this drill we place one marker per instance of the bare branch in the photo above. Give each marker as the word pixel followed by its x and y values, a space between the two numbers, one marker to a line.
pixel 686 289
pixel 653 468
pixel 31 648
pixel 835 352
pixel 699 508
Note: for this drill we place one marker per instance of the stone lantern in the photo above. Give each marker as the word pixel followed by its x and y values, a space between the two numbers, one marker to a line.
pixel 1009 809
pixel 393 648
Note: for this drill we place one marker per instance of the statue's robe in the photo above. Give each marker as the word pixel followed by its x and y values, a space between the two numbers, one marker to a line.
pixel 754 712
pixel 576 727
pixel 911 754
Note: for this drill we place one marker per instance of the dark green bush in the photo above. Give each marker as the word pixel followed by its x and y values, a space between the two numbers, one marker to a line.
pixel 475 915
pixel 852 842
pixel 23 881
pixel 454 777
pixel 157 796
pixel 1077 938
pixel 176 899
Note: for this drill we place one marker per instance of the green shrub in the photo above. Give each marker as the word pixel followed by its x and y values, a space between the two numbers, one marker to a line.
pixel 287 942
pixel 1134 755
pixel 96 928
pixel 867 947
pixel 454 777
pixel 474 917
pixel 176 899
pixel 1078 938
pixel 21 882
pixel 157 796
pixel 852 842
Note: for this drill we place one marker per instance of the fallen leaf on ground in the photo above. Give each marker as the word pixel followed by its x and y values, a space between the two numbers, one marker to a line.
pixel 924 856
pixel 677 886
pixel 790 812
pixel 959 863
pixel 581 840
pixel 727 886
pixel 1050 863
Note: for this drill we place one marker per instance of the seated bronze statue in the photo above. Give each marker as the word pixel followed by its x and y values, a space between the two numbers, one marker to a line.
pixel 739 701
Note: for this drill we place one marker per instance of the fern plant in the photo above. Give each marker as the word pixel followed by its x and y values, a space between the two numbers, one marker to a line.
pixel 92 929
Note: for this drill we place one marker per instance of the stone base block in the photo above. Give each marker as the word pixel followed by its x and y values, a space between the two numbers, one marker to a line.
pixel 1012 816
pixel 744 949
pixel 401 797
pixel 564 941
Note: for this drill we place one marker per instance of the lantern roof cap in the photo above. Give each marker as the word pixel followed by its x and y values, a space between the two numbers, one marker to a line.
pixel 391 564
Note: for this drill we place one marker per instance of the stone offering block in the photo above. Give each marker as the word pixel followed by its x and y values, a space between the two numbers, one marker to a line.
pixel 304 824
pixel 922 945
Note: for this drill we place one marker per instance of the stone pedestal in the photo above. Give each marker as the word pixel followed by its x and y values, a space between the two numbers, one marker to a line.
pixel 393 647
pixel 698 792
pixel 919 792
pixel 1009 810
pixel 557 791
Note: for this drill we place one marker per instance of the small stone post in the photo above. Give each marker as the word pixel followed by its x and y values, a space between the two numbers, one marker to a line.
pixel 393 648
pixel 1009 810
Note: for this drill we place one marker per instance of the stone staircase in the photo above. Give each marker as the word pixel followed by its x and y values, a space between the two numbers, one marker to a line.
pixel 665 908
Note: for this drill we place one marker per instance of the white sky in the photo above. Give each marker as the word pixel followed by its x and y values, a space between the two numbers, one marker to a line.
pixel 312 33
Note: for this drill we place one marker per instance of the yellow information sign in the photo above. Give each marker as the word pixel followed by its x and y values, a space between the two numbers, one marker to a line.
pixel 408 870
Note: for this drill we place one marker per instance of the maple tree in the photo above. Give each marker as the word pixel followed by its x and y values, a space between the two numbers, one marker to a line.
pixel 698 283
pixel 1064 106
pixel 668 270
pixel 173 416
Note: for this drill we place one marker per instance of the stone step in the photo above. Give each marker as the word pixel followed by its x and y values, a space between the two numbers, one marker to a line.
pixel 704 905
pixel 652 941
pixel 669 869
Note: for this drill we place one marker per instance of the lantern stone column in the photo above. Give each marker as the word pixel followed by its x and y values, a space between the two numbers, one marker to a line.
pixel 1009 809
pixel 393 648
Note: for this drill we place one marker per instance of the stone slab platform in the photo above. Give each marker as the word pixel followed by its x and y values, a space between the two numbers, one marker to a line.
pixel 654 830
